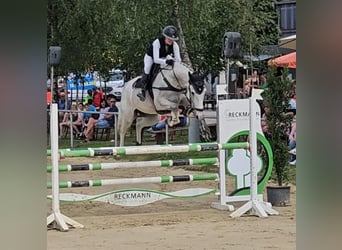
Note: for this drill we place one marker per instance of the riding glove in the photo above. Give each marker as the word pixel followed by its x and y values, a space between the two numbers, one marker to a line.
pixel 170 62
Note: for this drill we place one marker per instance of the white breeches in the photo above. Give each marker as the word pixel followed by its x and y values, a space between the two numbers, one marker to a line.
pixel 148 61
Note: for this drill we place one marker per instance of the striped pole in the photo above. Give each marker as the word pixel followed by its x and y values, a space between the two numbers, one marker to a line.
pixel 158 179
pixel 137 164
pixel 155 149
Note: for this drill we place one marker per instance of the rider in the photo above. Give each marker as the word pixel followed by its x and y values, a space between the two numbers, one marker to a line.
pixel 159 52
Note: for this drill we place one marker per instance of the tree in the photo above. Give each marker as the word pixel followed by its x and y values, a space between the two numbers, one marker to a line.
pixel 106 34
pixel 277 96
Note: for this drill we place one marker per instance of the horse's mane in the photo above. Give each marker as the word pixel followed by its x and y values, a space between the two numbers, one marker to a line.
pixel 187 66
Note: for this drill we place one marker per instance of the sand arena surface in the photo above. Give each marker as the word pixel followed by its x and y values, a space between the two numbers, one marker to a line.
pixel 165 224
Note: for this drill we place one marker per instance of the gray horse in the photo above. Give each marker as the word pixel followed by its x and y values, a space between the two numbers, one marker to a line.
pixel 174 86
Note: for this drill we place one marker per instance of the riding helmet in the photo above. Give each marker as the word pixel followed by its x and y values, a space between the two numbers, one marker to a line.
pixel 171 33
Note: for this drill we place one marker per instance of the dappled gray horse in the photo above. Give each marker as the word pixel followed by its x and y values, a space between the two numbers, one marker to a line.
pixel 173 86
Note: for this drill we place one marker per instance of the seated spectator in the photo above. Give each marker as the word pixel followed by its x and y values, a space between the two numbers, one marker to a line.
pixel 293 101
pixel 163 121
pixel 246 89
pixel 263 81
pixel 93 120
pixel 104 120
pixel 62 105
pixel 88 107
pixel 292 142
pixel 252 82
pixel 78 124
pixel 65 123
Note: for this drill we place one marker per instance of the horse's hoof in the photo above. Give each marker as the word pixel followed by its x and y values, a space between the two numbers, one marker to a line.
pixel 138 144
pixel 189 112
pixel 172 123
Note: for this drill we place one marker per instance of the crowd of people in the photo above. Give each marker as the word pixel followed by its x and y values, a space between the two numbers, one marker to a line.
pixel 95 112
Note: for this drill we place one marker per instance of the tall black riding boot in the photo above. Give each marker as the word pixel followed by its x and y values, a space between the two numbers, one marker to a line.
pixel 142 94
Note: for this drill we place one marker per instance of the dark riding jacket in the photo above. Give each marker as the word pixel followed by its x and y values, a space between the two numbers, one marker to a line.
pixel 164 49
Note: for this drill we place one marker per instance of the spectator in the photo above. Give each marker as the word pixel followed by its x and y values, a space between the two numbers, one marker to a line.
pixel 88 107
pixel 293 142
pixel 264 126
pixel 89 95
pixel 106 121
pixel 247 88
pixel 62 105
pixel 97 97
pixel 239 85
pixel 78 124
pixel 253 82
pixel 88 133
pixel 48 97
pixel 163 120
pixel 263 81
pixel 65 123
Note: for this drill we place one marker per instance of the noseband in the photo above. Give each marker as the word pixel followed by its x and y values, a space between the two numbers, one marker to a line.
pixel 196 81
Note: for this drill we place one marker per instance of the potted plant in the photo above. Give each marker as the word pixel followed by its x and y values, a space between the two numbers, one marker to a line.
pixel 276 96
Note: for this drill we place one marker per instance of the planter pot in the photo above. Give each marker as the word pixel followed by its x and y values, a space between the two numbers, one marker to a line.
pixel 278 196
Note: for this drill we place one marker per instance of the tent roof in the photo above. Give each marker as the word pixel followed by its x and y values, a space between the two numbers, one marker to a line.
pixel 257 58
pixel 288 42
pixel 288 60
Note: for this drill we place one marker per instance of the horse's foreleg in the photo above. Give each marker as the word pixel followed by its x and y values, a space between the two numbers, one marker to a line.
pixel 174 118
pixel 124 124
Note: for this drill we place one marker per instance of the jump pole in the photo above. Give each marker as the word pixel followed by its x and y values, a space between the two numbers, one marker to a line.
pixel 157 149
pixel 157 179
pixel 135 164
pixel 254 205
pixel 56 218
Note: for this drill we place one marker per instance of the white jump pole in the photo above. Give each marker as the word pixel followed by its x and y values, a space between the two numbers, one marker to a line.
pixel 56 217
pixel 255 206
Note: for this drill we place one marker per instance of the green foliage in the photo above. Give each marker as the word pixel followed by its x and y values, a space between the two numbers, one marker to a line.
pixel 277 97
pixel 116 33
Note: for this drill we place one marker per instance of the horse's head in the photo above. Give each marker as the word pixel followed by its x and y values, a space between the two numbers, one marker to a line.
pixel 196 92
pixel 196 95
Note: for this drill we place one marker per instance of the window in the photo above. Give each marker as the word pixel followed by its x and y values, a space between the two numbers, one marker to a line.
pixel 287 17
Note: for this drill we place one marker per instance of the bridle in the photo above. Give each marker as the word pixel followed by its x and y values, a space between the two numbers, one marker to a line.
pixel 198 90
pixel 169 86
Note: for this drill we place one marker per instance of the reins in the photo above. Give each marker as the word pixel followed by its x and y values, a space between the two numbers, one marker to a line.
pixel 169 85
